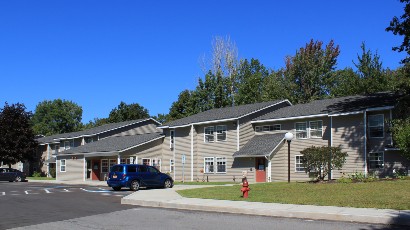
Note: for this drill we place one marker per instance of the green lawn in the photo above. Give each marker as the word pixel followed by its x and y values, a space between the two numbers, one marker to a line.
pixel 203 183
pixel 381 194
pixel 40 178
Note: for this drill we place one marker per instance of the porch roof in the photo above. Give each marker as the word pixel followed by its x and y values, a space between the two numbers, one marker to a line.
pixel 261 145
pixel 113 144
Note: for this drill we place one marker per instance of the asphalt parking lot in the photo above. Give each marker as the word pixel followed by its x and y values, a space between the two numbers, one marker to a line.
pixel 25 203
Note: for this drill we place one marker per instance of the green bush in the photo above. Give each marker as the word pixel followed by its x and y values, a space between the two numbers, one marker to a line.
pixel 36 174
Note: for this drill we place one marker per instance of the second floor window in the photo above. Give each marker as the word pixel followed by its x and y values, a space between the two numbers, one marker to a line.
pixel 376 125
pixel 171 139
pixel 209 134
pixel 301 130
pixel 67 145
pixel 267 128
pixel 221 133
pixel 315 129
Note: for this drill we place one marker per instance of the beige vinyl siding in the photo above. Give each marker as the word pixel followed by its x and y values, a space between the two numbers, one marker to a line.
pixel 167 153
pixel 246 131
pixel 348 132
pixel 139 128
pixel 150 150
pixel 74 169
pixel 182 147
pixel 279 160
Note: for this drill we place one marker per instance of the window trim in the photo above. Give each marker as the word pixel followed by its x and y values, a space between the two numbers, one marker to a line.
pixel 306 130
pixel 223 131
pixel 67 147
pixel 205 161
pixel 368 125
pixel 172 138
pixel 63 165
pixel 310 130
pixel 149 161
pixel 216 164
pixel 382 163
pixel 171 165
pixel 296 171
pixel 213 134
pixel 273 130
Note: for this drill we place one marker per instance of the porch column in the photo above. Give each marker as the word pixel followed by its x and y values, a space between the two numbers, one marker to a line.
pixel 269 170
pixel 237 135
pixel 118 159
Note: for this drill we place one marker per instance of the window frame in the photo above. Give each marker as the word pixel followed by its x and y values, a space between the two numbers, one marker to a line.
pixel 105 164
pixel 222 131
pixel 298 168
pixel 211 134
pixel 209 160
pixel 171 165
pixel 149 161
pixel 172 138
pixel 378 161
pixel 67 147
pixel 271 128
pixel 222 160
pixel 369 127
pixel 298 131
pixel 63 165
pixel 321 129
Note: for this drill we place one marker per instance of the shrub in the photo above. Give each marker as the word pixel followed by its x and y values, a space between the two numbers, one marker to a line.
pixel 316 159
pixel 52 172
pixel 36 174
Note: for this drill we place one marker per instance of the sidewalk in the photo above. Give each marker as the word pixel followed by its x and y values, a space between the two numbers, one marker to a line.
pixel 169 198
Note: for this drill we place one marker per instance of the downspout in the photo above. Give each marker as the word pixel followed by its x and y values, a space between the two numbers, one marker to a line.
pixel 237 135
pixel 192 152
pixel 329 176
pixel 365 142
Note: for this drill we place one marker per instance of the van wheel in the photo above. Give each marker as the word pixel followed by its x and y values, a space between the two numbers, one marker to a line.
pixel 135 185
pixel 116 188
pixel 168 183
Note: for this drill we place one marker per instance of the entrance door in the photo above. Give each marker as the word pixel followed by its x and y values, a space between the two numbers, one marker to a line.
pixel 95 170
pixel 260 169
pixel 88 169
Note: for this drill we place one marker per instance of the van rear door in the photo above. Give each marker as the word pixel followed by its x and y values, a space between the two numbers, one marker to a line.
pixel 117 172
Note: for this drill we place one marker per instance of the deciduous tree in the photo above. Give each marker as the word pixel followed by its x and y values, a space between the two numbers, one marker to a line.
pixel 401 26
pixel 125 112
pixel 17 141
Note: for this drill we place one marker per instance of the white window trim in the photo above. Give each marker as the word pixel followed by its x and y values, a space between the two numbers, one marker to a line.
pixel 172 138
pixel 67 146
pixel 309 136
pixel 261 127
pixel 149 161
pixel 296 171
pixel 101 165
pixel 171 165
pixel 307 131
pixel 65 165
pixel 368 126
pixel 216 133
pixel 216 165
pixel 213 134
pixel 372 160
pixel 213 164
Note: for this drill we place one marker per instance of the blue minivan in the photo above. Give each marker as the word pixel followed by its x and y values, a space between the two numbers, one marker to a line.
pixel 134 176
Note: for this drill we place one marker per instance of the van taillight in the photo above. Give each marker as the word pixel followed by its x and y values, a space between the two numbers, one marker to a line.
pixel 124 175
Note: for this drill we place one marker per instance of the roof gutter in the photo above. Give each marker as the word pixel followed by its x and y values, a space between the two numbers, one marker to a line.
pixel 290 118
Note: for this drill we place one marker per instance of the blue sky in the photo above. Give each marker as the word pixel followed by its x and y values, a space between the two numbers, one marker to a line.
pixel 99 53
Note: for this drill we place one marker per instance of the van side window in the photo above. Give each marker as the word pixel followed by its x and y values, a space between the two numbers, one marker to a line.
pixel 152 170
pixel 132 168
pixel 142 168
pixel 117 168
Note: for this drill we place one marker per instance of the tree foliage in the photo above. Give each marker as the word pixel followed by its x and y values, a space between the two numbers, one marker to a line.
pixel 401 26
pixel 126 112
pixel 17 141
pixel 308 74
pixel 316 159
pixel 401 134
pixel 57 116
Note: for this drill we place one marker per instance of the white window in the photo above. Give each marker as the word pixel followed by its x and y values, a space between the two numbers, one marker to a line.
pixel 301 130
pixel 156 163
pixel 209 165
pixel 104 165
pixel 89 140
pixel 171 139
pixel 209 134
pixel 67 145
pixel 299 163
pixel 62 165
pixel 221 165
pixel 112 163
pixel 376 125
pixel 146 161
pixel 125 160
pixel 376 160
pixel 221 133
pixel 267 128
pixel 315 129
pixel 171 165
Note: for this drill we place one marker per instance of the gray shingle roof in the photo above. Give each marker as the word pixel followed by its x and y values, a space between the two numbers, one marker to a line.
pixel 348 104
pixel 260 145
pixel 222 113
pixel 92 131
pixel 114 144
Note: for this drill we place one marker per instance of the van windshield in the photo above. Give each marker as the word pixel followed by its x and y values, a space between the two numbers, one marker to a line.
pixel 117 168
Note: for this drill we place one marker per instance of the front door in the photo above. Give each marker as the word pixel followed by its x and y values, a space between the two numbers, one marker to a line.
pixel 260 169
pixel 95 170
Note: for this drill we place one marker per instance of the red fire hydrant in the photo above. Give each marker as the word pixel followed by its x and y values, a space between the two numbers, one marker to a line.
pixel 245 186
